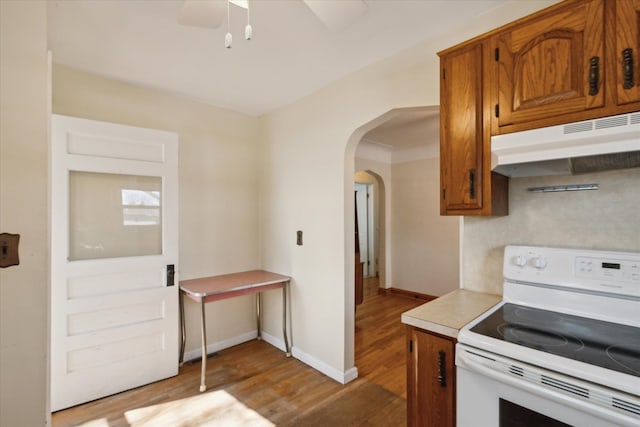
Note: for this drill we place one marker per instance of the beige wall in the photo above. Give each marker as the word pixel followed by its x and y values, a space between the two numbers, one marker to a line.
pixel 24 210
pixel 607 219
pixel 308 139
pixel 425 247
pixel 306 180
pixel 218 185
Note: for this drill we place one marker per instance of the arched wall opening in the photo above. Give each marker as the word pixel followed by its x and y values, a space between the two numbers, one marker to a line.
pixel 402 239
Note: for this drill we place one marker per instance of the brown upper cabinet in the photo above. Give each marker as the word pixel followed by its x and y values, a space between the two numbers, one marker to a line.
pixel 552 64
pixel 576 60
pixel 468 187
pixel 627 56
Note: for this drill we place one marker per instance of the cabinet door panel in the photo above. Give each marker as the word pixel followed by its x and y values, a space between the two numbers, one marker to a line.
pixel 627 55
pixel 431 380
pixel 461 133
pixel 548 66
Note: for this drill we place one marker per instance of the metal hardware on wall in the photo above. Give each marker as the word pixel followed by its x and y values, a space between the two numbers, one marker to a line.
pixel 9 250
pixel 559 188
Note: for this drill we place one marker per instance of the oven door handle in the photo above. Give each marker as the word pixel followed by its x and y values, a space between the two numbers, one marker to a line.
pixel 476 362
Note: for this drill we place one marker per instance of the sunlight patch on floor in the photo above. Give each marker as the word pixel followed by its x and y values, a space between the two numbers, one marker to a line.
pixel 216 408
pixel 101 422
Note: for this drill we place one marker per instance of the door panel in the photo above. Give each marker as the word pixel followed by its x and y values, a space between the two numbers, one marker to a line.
pixel 363 225
pixel 461 131
pixel 114 317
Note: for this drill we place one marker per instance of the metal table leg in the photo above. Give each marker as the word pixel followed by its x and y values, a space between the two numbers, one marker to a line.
pixel 203 386
pixel 259 313
pixel 284 319
pixel 183 332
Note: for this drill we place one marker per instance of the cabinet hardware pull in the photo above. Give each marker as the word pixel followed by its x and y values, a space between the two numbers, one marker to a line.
pixel 627 68
pixel 442 368
pixel 594 75
pixel 472 183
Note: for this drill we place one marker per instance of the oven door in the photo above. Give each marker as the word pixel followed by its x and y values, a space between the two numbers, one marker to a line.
pixel 493 391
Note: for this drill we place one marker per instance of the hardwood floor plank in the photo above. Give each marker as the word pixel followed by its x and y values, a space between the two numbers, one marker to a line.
pixel 255 384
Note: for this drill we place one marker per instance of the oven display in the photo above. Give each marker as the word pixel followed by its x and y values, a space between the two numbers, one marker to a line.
pixel 611 265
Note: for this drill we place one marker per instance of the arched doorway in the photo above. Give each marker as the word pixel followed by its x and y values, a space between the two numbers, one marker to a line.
pixel 417 236
pixel 372 221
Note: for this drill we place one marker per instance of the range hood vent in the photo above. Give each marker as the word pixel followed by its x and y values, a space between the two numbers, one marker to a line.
pixel 609 143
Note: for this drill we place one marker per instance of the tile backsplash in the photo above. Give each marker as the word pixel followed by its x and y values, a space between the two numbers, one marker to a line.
pixel 607 219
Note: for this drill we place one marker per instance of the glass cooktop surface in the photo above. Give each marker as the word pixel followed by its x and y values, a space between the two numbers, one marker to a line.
pixel 605 344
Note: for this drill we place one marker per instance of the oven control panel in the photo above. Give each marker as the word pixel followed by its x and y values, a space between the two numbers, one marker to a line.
pixel 608 269
pixel 610 272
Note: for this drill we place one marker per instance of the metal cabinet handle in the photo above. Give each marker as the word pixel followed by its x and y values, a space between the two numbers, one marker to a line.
pixel 442 368
pixel 594 75
pixel 627 68
pixel 472 183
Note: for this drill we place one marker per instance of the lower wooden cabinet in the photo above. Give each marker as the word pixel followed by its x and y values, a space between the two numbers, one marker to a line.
pixel 431 379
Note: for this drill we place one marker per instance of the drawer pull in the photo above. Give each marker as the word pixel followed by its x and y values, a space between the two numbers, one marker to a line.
pixel 472 183
pixel 627 68
pixel 594 75
pixel 442 368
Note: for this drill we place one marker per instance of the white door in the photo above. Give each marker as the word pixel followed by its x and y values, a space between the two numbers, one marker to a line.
pixel 362 206
pixel 114 246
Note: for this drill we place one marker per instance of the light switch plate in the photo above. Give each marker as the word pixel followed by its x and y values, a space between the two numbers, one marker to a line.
pixel 9 250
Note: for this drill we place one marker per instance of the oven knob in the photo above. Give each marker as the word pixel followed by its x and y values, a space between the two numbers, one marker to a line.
pixel 520 261
pixel 539 263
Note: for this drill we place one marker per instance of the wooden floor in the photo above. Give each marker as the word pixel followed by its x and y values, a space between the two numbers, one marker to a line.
pixel 254 384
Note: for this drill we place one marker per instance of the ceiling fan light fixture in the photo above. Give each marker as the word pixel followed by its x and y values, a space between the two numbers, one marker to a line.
pixel 248 31
pixel 228 40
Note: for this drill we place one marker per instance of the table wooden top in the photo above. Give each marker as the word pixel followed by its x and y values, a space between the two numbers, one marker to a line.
pixel 228 283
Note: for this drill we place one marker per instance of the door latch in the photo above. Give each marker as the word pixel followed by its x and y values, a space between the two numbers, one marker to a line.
pixel 171 273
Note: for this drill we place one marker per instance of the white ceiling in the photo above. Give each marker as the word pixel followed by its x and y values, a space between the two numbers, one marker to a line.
pixel 292 54
pixel 408 129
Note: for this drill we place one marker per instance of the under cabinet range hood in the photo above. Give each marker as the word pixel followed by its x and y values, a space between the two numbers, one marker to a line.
pixel 591 146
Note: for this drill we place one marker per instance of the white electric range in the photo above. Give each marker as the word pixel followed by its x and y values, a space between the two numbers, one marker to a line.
pixel 563 346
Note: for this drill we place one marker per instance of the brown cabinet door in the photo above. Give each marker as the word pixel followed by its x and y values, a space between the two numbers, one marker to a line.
pixel 552 65
pixel 461 129
pixel 430 380
pixel 627 46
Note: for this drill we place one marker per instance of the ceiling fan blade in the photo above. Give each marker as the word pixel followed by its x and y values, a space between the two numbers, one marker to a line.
pixel 337 15
pixel 203 13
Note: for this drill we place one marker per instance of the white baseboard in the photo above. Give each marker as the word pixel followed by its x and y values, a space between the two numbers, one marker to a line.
pixel 331 372
pixel 274 341
pixel 335 374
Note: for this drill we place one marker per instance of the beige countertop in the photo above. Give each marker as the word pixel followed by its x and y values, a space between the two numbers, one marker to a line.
pixel 447 314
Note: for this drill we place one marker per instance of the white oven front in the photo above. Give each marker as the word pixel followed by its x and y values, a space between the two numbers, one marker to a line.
pixel 494 391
